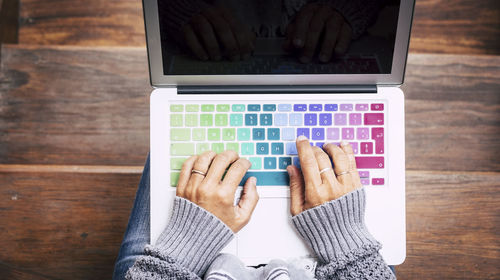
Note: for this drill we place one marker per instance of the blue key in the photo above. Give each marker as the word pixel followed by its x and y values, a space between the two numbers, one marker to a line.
pixel 303 131
pixel 300 107
pixel 269 107
pixel 288 133
pixel 258 134
pixel 262 148
pixel 331 107
pixel 273 134
pixel 269 163
pixel 310 119
pixel 295 119
pixel 318 134
pixel 277 148
pixel 280 119
pixel 253 107
pixel 284 162
pixel 325 119
pixel 251 119
pixel 291 148
pixel 315 107
pixel 320 144
pixel 266 119
pixel 296 162
pixel 284 107
pixel 268 178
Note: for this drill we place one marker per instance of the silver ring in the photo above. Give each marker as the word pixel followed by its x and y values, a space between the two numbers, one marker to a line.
pixel 343 173
pixel 198 172
pixel 324 170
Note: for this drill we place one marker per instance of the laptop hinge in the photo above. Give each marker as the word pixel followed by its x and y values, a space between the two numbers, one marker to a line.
pixel 295 89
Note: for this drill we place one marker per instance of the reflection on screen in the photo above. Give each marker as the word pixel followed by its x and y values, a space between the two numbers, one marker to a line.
pixel 241 37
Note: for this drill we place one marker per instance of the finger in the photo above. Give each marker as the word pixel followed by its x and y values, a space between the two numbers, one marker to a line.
pixel 186 168
pixel 201 164
pixel 242 34
pixel 332 30
pixel 308 163
pixel 323 163
pixel 297 199
pixel 236 173
pixel 249 199
pixel 290 32
pixel 205 31
pixel 223 33
pixel 302 23
pixel 356 180
pixel 193 43
pixel 315 29
pixel 340 162
pixel 344 39
pixel 219 165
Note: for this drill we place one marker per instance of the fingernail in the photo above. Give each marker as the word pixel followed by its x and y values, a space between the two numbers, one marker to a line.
pixel 344 143
pixel 298 42
pixel 301 138
pixel 254 180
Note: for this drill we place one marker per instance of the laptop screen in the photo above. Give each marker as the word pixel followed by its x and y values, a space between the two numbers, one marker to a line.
pixel 277 37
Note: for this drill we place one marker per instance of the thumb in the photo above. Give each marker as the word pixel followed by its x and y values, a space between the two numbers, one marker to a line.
pixel 296 189
pixel 249 198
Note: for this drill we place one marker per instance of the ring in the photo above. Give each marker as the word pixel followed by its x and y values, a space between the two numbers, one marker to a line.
pixel 343 173
pixel 324 170
pixel 198 172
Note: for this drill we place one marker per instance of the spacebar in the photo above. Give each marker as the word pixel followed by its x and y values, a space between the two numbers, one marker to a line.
pixel 268 178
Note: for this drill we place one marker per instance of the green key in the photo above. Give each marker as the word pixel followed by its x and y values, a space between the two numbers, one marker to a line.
pixel 192 108
pixel 174 177
pixel 228 134
pixel 176 108
pixel 191 120
pixel 213 134
pixel 218 147
pixel 207 108
pixel 233 146
pixel 180 134
pixel 176 163
pixel 176 120
pixel 236 119
pixel 206 120
pixel 199 134
pixel 202 147
pixel 221 119
pixel 223 108
pixel 243 134
pixel 247 148
pixel 238 108
pixel 181 149
pixel 256 162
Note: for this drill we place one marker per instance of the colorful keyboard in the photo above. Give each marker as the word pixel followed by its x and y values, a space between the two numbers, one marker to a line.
pixel 265 134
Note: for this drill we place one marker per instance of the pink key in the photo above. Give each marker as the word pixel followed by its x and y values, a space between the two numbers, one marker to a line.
pixel 340 119
pixel 366 148
pixel 365 182
pixel 369 162
pixel 374 118
pixel 364 174
pixel 378 136
pixel 354 146
pixel 377 107
pixel 378 181
pixel 347 133
pixel 332 133
pixel 362 133
pixel 355 119
pixel 361 107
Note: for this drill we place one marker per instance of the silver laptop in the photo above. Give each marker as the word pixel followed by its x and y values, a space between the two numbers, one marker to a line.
pixel 259 105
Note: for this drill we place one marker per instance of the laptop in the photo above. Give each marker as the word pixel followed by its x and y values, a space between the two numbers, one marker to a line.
pixel 259 106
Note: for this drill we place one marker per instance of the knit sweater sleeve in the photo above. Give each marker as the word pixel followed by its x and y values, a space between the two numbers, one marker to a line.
pixel 186 247
pixel 337 233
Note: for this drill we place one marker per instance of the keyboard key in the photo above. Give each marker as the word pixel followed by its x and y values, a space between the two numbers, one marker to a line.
pixel 253 107
pixel 365 182
pixel 266 119
pixel 362 133
pixel 374 118
pixel 206 120
pixel 262 148
pixel 325 119
pixel 303 131
pixel 310 119
pixel 340 119
pixel 176 163
pixel 277 149
pixel 366 148
pixel 296 161
pixel 300 107
pixel 378 136
pixel 180 134
pixel 332 133
pixel 247 148
pixel 258 134
pixel 191 120
pixel 315 107
pixel 256 163
pixel 228 134
pixel 269 163
pixel 284 107
pixel 218 147
pixel 369 162
pixel 199 134
pixel 233 147
pixel 364 174
pixel 176 120
pixel 280 119
pixel 331 107
pixel 345 107
pixel 176 108
pixel 377 181
pixel 192 108
pixel 207 108
pixel 202 147
pixel 236 119
pixel 284 162
pixel 291 148
pixel 238 108
pixel 318 134
pixel 347 133
pixel 213 134
pixel 269 107
pixel 222 107
pixel 243 134
pixel 319 144
pixel 181 149
pixel 221 119
pixel 273 134
pixel 354 146
pixel 377 107
pixel 288 133
pixel 250 119
pixel 295 119
pixel 174 177
pixel 268 178
pixel 355 119
pixel 361 107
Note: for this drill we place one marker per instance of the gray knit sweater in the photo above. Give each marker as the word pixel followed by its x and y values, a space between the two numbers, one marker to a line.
pixel 189 246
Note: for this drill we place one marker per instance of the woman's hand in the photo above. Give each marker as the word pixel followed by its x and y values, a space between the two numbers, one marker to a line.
pixel 311 187
pixel 214 195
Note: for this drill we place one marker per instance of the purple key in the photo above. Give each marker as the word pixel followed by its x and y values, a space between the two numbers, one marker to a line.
pixel 319 144
pixel 345 107
pixel 315 107
pixel 318 134
pixel 374 118
pixel 366 148
pixel 310 119
pixel 369 162
pixel 364 174
pixel 347 133
pixel 354 146
pixel 377 181
pixel 331 107
pixel 362 133
pixel 365 182
pixel 303 131
pixel 332 133
pixel 355 119
pixel 300 107
pixel 340 119
pixel 361 107
pixel 325 119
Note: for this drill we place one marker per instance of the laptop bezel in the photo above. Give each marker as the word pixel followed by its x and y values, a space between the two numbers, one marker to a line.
pixel 158 79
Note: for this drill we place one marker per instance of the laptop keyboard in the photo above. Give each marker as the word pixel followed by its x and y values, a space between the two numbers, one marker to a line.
pixel 265 134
